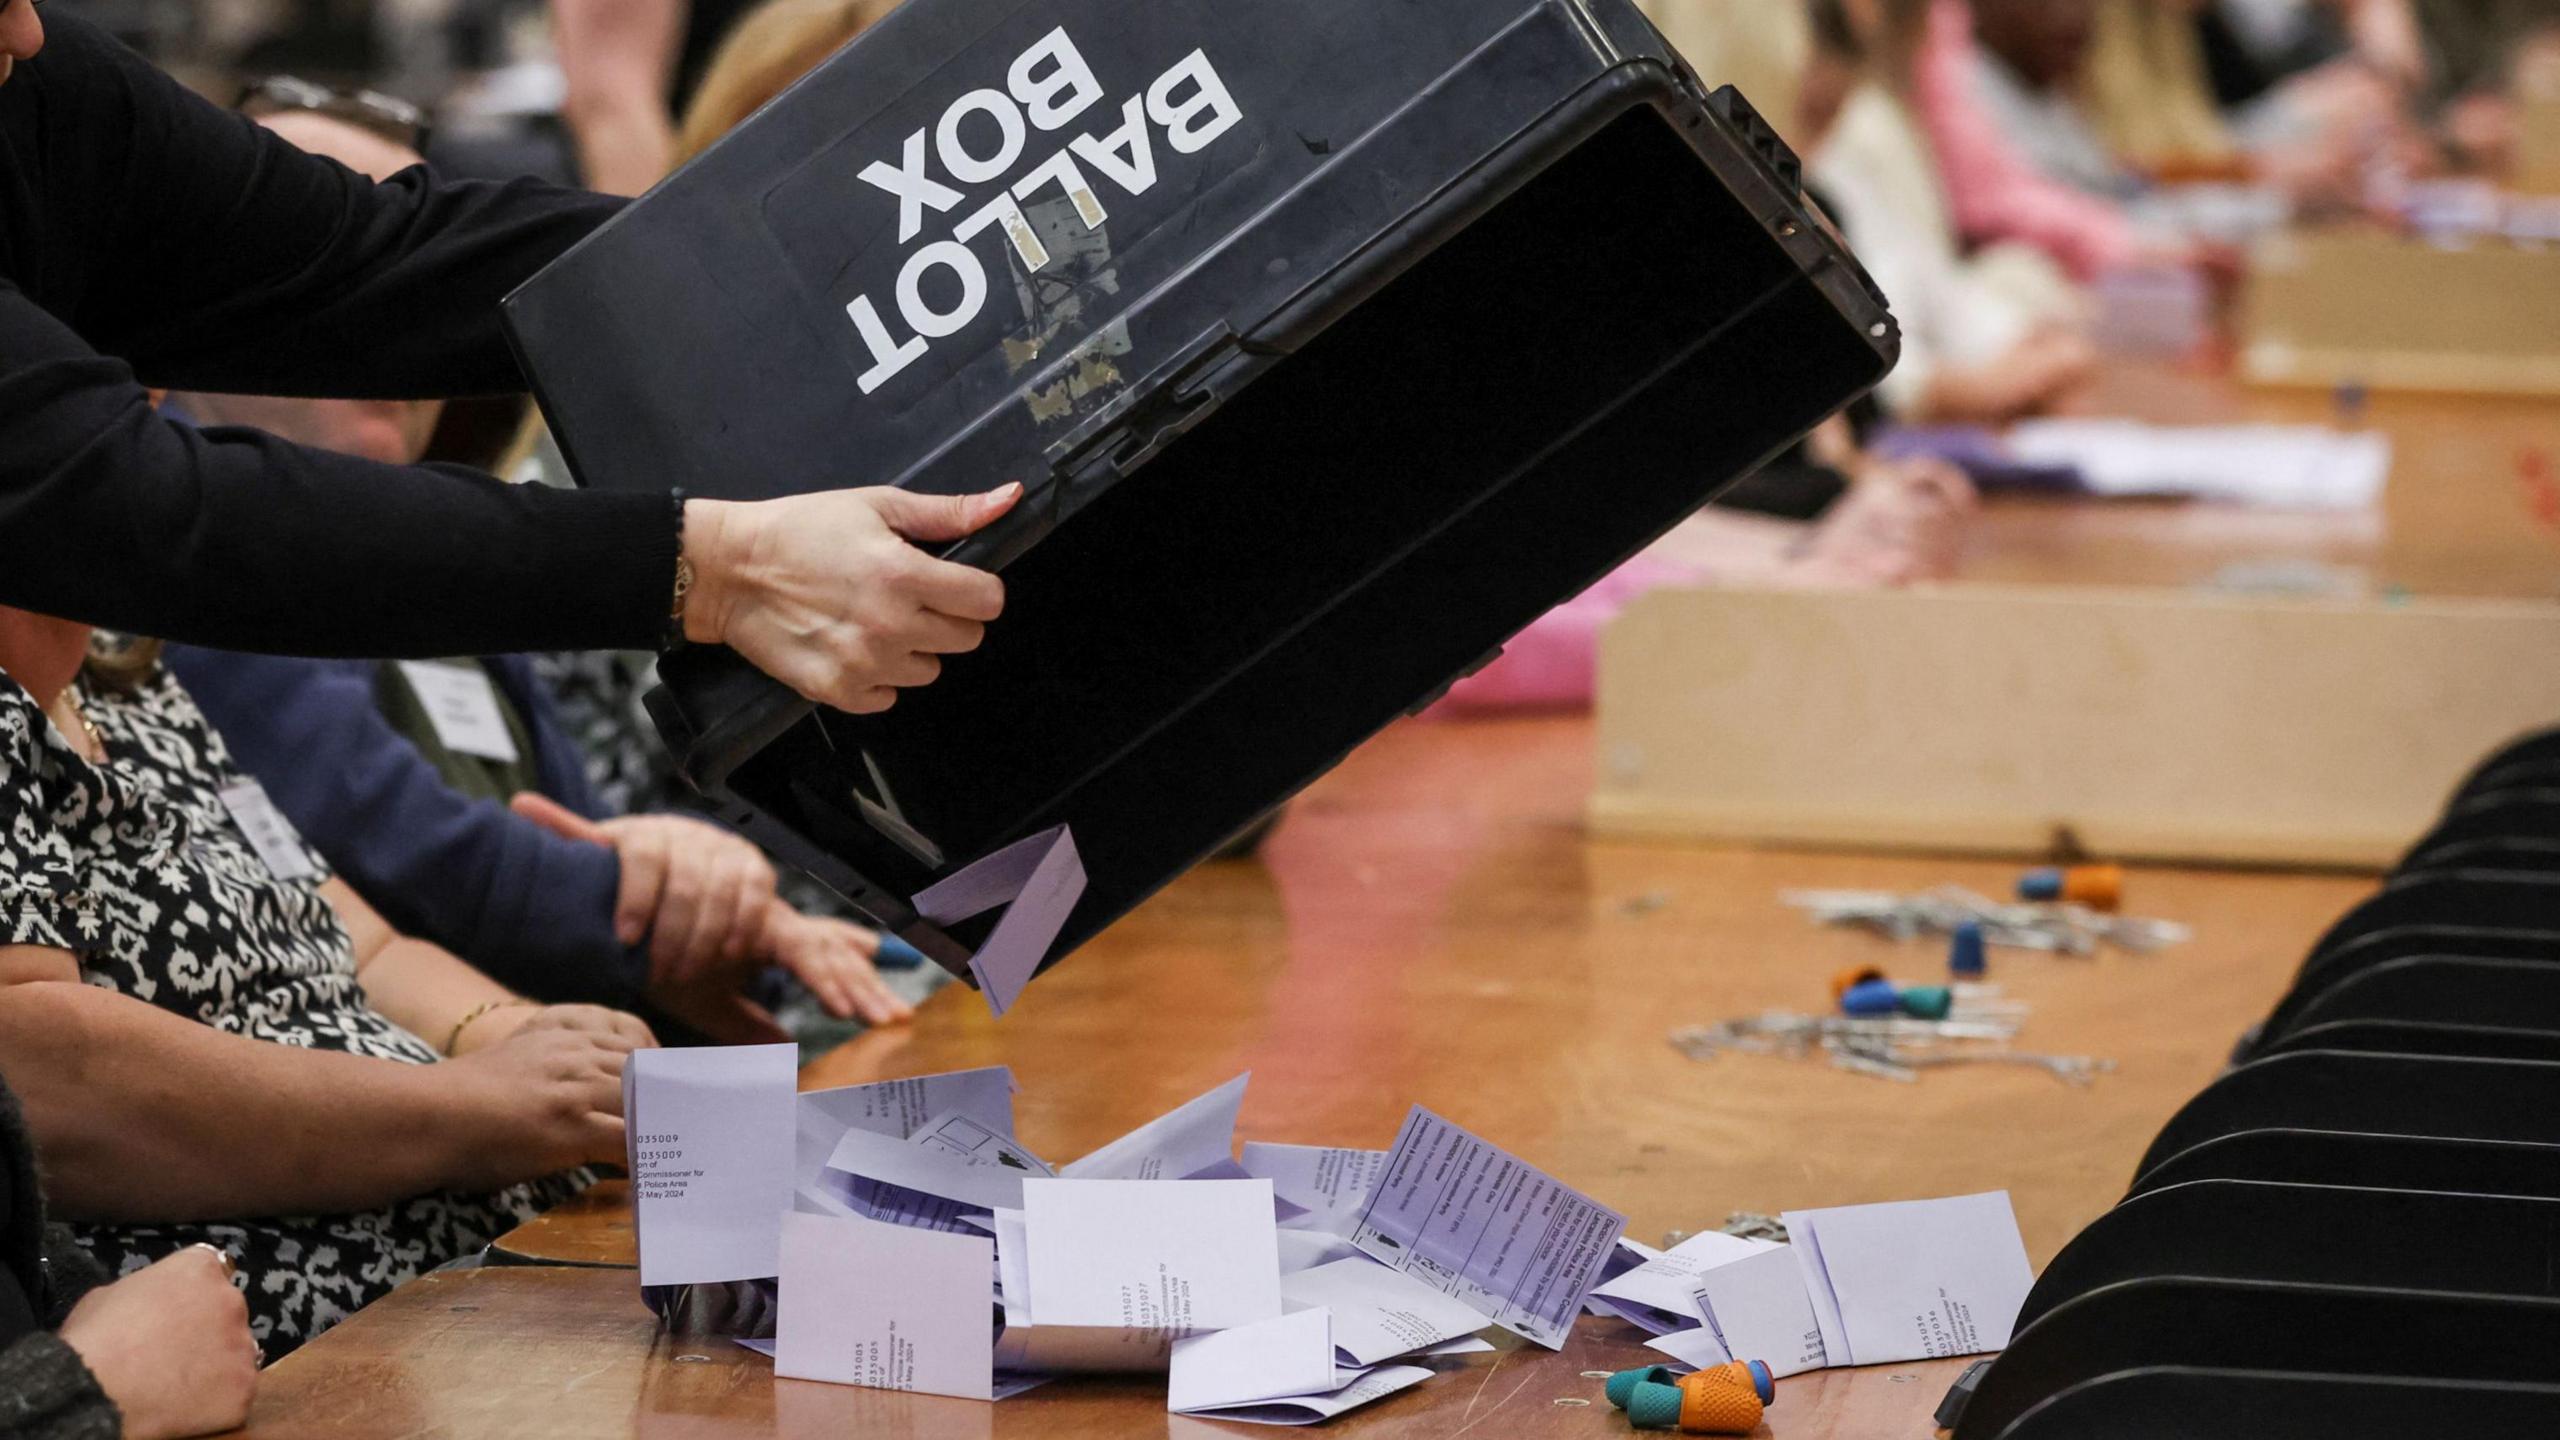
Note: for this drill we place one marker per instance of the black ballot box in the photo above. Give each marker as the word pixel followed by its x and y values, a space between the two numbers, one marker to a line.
pixel 1335 341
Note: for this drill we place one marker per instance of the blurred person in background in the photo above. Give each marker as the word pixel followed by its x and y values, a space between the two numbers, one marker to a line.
pixel 2478 52
pixel 2112 96
pixel 1877 524
pixel 2272 55
pixel 1987 337
pixel 631 66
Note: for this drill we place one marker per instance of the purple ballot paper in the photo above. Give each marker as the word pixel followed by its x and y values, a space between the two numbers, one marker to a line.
pixel 1038 880
pixel 1486 1228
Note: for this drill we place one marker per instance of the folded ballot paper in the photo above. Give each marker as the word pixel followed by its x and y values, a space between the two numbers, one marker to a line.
pixel 1660 1294
pixel 911 1241
pixel 1863 1285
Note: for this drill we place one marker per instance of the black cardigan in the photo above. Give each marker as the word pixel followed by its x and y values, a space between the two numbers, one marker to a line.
pixel 148 237
pixel 45 1392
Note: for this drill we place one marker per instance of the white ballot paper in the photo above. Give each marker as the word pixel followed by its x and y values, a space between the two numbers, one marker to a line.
pixel 1272 1360
pixel 1013 1272
pixel 1476 1222
pixel 1624 1256
pixel 2292 467
pixel 1370 1386
pixel 893 1309
pixel 1914 1280
pixel 1757 1309
pixel 708 1143
pixel 896 1108
pixel 1282 1211
pixel 1117 1270
pixel 1660 1295
pixel 1698 1349
pixel 1176 1145
pixel 1378 1313
pixel 963 1136
pixel 1327 1182
pixel 1307 1249
pixel 926 1182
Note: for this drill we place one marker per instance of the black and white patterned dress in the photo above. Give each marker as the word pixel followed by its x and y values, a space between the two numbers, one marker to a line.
pixel 139 869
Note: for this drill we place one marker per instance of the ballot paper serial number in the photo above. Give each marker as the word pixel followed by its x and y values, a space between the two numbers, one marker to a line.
pixel 1948 1330
pixel 658 1168
pixel 982 139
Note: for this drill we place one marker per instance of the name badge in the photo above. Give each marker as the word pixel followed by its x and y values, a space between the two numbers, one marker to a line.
pixel 462 704
pixel 270 834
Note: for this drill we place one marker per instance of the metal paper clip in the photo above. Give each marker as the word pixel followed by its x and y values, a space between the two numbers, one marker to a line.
pixel 2062 928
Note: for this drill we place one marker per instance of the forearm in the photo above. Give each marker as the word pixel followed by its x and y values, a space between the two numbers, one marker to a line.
pixel 215 256
pixel 616 57
pixel 623 147
pixel 427 991
pixel 144 1116
pixel 239 540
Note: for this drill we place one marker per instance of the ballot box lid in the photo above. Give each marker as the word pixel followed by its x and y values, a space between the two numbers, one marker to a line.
pixel 1332 341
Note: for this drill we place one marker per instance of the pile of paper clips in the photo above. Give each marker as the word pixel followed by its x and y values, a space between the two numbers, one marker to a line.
pixel 2062 928
pixel 1894 1048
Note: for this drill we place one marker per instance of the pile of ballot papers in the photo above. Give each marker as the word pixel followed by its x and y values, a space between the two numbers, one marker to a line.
pixel 1856 1285
pixel 909 1241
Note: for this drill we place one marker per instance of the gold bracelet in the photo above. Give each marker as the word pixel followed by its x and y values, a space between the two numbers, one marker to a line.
pixel 455 1037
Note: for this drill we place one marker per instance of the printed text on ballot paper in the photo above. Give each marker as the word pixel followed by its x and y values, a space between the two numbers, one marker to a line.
pixel 1485 1227
pixel 984 138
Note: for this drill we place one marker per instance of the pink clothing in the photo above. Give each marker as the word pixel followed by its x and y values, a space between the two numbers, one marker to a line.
pixel 1995 193
pixel 1552 664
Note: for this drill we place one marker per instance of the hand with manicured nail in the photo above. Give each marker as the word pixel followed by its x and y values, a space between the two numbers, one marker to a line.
pixel 829 593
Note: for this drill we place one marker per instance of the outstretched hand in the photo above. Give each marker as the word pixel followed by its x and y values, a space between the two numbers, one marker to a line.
pixel 698 893
pixel 699 980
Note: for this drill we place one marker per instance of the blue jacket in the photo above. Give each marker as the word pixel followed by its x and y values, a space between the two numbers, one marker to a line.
pixel 532 910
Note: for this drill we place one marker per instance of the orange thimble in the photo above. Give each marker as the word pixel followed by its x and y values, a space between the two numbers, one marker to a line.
pixel 1851 978
pixel 1712 1404
pixel 2100 887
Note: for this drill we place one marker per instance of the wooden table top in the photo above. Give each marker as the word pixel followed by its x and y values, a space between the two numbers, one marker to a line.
pixel 1430 925
pixel 550 1354
pixel 2456 520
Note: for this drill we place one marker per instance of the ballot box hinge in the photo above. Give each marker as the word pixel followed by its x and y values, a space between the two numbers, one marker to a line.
pixel 1178 395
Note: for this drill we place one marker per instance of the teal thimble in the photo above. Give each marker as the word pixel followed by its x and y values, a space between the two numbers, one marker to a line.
pixel 1654 1406
pixel 1624 1383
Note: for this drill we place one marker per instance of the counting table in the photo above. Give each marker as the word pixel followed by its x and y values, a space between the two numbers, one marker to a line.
pixel 1430 924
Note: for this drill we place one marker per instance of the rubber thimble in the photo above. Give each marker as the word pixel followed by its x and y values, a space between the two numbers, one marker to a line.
pixel 1698 1405
pixel 1623 1384
pixel 1751 1375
